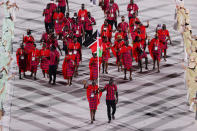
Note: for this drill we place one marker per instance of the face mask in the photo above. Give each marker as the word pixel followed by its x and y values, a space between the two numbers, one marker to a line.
pixel 28 33
pixel 123 20
pixel 75 52
pixel 70 53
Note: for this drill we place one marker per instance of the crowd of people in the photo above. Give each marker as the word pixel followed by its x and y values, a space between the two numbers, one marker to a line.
pixel 126 41
pixel 183 25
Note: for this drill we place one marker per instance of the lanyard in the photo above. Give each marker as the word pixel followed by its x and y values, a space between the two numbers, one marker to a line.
pixel 21 51
pixel 111 10
pixel 90 20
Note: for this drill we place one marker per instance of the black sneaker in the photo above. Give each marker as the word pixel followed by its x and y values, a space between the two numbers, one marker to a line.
pixel 109 121
pixel 113 117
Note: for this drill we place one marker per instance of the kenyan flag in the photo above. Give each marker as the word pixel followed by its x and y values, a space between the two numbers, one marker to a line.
pixel 91 43
pixel 96 48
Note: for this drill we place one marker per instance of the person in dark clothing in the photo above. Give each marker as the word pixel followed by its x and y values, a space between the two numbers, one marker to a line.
pixel 111 98
pixel 53 64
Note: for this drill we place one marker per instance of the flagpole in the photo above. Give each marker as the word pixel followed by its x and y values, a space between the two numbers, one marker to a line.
pixel 98 53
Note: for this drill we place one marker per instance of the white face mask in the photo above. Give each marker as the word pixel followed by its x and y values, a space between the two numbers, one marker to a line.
pixel 70 53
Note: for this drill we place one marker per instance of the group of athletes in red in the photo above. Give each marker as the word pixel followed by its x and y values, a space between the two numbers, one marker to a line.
pixel 73 31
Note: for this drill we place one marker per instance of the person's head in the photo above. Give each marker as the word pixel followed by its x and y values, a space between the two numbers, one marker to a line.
pixel 137 23
pixel 126 43
pixel 22 46
pixel 131 2
pixel 164 27
pixel 75 15
pixel 134 15
pixel 93 83
pixel 105 23
pixel 28 32
pixel 123 18
pixel 67 15
pixel 137 39
pixel 48 6
pixel 82 6
pixel 89 14
pixel 35 46
pixel 7 2
pixel 111 2
pixel 158 27
pixel 52 1
pixel 111 81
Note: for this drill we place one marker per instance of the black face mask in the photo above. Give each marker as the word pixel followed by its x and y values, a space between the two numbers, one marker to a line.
pixel 28 33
